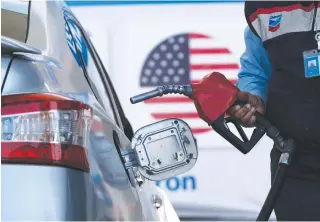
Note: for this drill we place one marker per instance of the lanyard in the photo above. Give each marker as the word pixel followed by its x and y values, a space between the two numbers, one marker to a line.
pixel 314 23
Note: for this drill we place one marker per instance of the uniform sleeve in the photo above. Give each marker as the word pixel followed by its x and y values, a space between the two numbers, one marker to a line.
pixel 255 67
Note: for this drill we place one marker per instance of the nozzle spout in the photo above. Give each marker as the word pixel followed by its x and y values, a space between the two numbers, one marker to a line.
pixel 184 90
pixel 144 96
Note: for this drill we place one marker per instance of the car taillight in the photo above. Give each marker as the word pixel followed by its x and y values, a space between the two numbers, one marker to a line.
pixel 45 129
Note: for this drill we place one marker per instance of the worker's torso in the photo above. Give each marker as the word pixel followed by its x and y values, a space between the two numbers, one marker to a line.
pixel 287 29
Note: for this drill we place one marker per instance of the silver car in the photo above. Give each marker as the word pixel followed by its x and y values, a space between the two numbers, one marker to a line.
pixel 68 150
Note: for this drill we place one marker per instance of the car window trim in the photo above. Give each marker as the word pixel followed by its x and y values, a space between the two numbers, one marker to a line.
pixel 126 125
pixel 107 87
pixel 106 79
pixel 123 118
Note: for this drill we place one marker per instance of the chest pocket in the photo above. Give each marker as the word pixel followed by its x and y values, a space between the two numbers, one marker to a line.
pixel 272 22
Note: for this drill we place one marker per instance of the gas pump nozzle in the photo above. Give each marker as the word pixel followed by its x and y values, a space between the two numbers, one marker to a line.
pixel 162 90
pixel 213 96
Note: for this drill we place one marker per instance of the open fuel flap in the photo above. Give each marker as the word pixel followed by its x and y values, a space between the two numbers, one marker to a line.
pixel 162 150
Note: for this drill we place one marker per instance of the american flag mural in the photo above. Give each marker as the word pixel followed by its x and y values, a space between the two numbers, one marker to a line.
pixel 180 60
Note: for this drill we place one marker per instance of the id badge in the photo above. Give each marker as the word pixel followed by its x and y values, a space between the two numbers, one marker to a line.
pixel 311 60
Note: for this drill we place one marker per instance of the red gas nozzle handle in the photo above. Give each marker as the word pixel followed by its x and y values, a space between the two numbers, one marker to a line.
pixel 213 96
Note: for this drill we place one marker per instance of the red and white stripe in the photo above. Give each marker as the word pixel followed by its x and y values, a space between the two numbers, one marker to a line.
pixel 205 56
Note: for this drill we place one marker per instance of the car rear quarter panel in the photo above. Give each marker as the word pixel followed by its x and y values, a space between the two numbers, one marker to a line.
pixel 44 193
pixel 34 192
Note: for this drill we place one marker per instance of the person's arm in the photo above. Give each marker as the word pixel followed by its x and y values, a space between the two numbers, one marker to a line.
pixel 255 67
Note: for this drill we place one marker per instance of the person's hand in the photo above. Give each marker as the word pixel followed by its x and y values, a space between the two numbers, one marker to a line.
pixel 246 113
